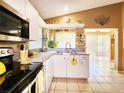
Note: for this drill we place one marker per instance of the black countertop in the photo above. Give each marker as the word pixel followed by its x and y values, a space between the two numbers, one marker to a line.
pixel 17 79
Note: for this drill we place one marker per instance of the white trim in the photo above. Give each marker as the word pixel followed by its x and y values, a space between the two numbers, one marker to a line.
pixel 64 26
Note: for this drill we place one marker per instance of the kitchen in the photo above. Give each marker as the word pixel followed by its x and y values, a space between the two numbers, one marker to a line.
pixel 50 56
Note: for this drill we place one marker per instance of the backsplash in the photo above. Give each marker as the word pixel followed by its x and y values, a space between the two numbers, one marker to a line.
pixel 15 48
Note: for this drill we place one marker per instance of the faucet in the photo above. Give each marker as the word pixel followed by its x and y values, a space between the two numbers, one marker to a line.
pixel 68 49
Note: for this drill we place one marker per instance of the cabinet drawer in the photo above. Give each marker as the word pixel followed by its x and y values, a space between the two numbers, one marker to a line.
pixel 84 57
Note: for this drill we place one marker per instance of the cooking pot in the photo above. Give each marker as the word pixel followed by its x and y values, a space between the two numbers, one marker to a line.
pixel 2 68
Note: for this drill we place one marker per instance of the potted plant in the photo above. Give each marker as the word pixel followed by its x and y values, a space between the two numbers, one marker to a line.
pixel 52 44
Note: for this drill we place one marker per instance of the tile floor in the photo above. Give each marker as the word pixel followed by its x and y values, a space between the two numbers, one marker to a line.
pixel 103 79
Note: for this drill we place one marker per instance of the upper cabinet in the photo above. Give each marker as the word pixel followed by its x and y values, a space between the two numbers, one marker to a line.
pixel 19 5
pixel 32 15
pixel 35 21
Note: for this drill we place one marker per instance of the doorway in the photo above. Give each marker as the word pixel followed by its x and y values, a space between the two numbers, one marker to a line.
pixel 101 44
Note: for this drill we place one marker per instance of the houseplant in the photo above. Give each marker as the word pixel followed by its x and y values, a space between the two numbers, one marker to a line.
pixel 52 44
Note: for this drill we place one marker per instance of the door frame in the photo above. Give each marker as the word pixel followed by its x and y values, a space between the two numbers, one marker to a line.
pixel 115 31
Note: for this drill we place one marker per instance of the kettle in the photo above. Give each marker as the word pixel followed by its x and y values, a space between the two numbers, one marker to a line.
pixel 2 68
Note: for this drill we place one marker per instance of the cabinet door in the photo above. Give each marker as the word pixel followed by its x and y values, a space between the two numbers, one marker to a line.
pixel 40 82
pixel 59 66
pixel 31 13
pixel 19 5
pixel 74 70
pixel 48 73
pixel 84 59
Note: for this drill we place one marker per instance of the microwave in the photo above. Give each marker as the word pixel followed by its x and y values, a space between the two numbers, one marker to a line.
pixel 11 25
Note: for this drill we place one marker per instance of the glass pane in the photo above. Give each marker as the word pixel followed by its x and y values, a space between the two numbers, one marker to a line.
pixel 9 25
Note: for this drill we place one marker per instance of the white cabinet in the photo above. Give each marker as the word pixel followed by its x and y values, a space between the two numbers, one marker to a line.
pixel 19 5
pixel 74 70
pixel 84 59
pixel 48 69
pixel 59 66
pixel 63 66
pixel 25 8
pixel 40 82
pixel 32 15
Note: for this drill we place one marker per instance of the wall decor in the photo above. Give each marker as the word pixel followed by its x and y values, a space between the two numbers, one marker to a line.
pixel 102 20
pixel 68 21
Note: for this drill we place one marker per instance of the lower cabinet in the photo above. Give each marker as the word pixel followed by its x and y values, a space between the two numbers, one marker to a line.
pixel 74 70
pixel 84 59
pixel 48 71
pixel 40 82
pixel 59 66
pixel 71 66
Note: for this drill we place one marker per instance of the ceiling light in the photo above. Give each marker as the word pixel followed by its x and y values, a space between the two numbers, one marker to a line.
pixel 66 8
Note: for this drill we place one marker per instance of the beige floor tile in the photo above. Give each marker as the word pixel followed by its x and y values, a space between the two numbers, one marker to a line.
pixel 85 87
pixel 61 92
pixel 72 85
pixel 120 87
pixel 53 84
pixel 87 92
pixel 109 88
pixel 73 91
pixel 119 80
pixel 61 80
pixel 100 92
pixel 92 80
pixel 73 80
pixel 82 81
pixel 100 79
pixel 109 79
pixel 96 87
pixel 51 91
pixel 61 85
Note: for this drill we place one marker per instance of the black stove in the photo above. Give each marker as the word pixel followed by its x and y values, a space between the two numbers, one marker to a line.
pixel 17 76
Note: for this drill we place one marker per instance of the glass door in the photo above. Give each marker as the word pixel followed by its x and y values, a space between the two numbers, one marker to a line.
pixel 98 46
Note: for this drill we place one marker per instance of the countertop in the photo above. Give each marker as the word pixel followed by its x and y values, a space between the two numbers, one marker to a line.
pixel 44 56
pixel 19 77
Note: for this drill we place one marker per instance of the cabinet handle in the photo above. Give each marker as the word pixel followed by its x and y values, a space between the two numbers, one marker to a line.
pixel 81 62
pixel 64 58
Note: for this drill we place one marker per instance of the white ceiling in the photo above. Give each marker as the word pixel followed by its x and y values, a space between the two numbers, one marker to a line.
pixel 53 8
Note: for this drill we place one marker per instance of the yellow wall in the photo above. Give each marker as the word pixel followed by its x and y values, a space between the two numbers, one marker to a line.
pixel 123 34
pixel 87 17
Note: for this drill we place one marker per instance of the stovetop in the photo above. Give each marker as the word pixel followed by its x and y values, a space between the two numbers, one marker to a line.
pixel 15 79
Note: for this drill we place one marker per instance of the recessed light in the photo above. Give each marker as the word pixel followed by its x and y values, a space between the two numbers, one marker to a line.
pixel 66 8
